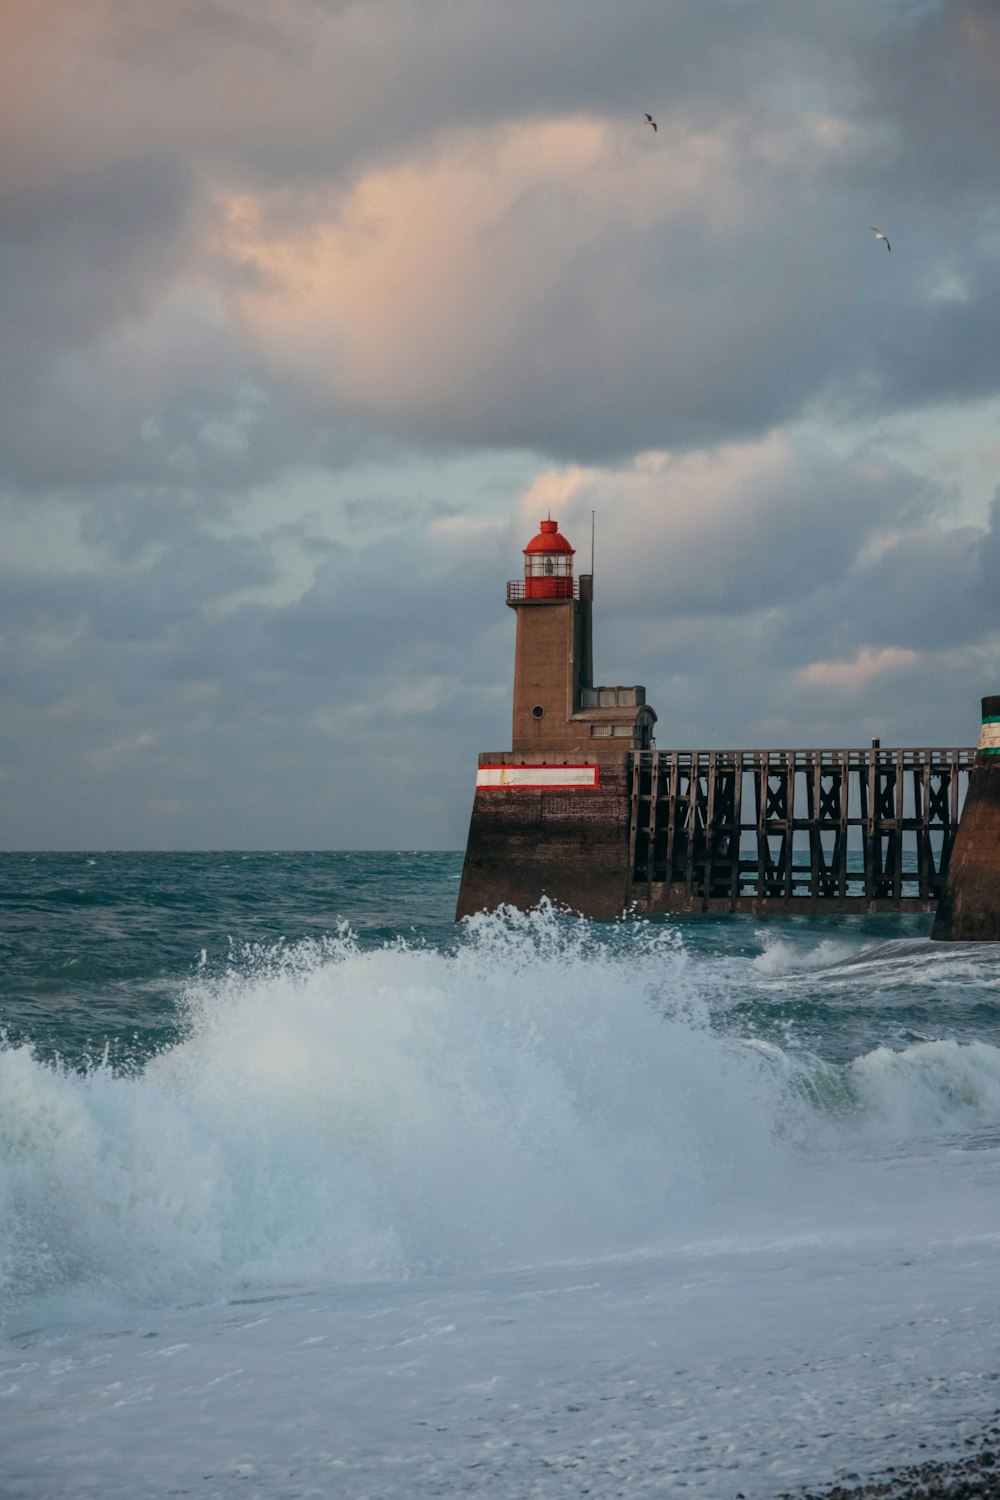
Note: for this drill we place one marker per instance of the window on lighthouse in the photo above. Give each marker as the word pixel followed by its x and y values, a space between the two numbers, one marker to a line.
pixel 548 565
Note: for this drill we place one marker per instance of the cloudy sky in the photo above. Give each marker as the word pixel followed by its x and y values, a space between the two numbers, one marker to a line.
pixel 309 309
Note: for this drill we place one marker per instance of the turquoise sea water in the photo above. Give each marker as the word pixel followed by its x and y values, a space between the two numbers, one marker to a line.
pixel 96 949
pixel 99 950
pixel 291 1080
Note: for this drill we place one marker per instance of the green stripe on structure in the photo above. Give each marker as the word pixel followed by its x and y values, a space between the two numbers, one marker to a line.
pixel 994 720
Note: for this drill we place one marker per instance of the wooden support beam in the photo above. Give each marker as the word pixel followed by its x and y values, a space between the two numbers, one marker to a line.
pixel 898 809
pixel 654 806
pixel 734 878
pixel 710 823
pixel 672 798
pixel 692 825
pixel 842 823
pixel 788 842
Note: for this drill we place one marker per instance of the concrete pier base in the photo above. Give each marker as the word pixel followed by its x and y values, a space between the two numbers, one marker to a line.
pixel 969 909
pixel 571 846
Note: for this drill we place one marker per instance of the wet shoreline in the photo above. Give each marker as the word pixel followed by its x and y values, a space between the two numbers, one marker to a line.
pixel 972 1475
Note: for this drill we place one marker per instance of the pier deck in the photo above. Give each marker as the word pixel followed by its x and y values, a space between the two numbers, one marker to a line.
pixel 793 830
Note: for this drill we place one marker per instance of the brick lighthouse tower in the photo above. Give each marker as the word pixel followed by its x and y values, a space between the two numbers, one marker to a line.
pixel 551 815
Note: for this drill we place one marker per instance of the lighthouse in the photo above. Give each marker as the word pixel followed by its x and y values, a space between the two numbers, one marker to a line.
pixel 552 650
pixel 557 710
pixel 551 814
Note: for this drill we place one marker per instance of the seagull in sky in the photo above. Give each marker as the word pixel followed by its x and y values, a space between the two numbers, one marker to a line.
pixel 651 121
pixel 879 235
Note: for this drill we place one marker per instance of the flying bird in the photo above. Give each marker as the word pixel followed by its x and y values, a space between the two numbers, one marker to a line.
pixel 879 235
pixel 651 121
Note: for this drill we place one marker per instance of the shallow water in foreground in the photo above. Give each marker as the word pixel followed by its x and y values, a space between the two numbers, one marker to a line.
pixel 304 1190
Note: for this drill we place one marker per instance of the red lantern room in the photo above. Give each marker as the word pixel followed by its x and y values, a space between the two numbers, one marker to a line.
pixel 548 565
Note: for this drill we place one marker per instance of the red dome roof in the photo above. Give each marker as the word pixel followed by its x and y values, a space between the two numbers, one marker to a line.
pixel 549 540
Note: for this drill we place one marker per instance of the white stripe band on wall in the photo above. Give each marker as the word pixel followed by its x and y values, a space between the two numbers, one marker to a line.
pixel 989 736
pixel 537 776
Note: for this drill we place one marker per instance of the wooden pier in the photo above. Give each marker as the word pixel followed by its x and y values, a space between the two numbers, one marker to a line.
pixel 793 830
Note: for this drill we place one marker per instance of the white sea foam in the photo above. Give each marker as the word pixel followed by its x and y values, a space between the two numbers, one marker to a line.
pixel 942 1086
pixel 779 955
pixel 902 963
pixel 336 1114
pixel 348 1114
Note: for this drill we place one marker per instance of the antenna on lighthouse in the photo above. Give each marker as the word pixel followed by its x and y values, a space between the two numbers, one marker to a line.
pixel 592 514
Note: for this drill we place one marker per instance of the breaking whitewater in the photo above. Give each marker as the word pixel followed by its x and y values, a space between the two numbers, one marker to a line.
pixel 304 1192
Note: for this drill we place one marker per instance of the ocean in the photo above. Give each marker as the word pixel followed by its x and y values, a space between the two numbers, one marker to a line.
pixel 307 1191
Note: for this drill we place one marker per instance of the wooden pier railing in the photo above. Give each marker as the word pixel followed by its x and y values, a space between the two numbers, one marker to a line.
pixel 793 830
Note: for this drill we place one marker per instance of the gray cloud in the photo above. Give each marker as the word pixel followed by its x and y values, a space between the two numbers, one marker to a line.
pixel 653 333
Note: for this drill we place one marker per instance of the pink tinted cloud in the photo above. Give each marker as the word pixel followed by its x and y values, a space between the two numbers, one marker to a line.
pixel 868 664
pixel 504 258
pixel 422 282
